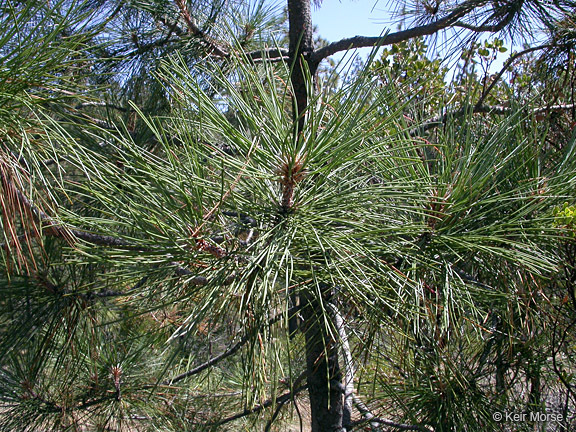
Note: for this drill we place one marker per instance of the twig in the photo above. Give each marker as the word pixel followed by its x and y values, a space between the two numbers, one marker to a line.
pixel 272 54
pixel 505 67
pixel 561 376
pixel 194 30
pixel 483 109
pixel 470 279
pixel 103 105
pixel 285 397
pixel 349 369
pixel 183 271
pixel 172 27
pixel 55 229
pixel 492 28
pixel 283 402
pixel 350 398
pixel 369 417
pixel 230 351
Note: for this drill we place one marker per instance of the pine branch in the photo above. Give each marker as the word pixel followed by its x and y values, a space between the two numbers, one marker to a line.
pixel 214 360
pixel 172 27
pixel 95 402
pixel 194 30
pixel 349 369
pixel 143 49
pixel 471 279
pixel 504 17
pixel 280 400
pixel 279 406
pixel 102 104
pixel 491 28
pixel 229 352
pixel 48 405
pixel 350 397
pixel 53 228
pixel 212 46
pixel 369 417
pixel 557 346
pixel 392 38
pixel 270 54
pixel 283 402
pixel 266 404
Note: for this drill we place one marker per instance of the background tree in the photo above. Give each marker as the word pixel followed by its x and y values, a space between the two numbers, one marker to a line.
pixel 161 233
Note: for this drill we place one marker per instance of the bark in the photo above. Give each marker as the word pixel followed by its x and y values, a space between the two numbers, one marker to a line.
pixel 300 49
pixel 392 38
pixel 324 376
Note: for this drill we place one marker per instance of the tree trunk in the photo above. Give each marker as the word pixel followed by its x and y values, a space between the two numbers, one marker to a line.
pixel 300 49
pixel 324 375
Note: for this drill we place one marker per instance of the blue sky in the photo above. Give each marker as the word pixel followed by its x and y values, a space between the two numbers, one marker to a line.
pixel 336 19
pixel 339 19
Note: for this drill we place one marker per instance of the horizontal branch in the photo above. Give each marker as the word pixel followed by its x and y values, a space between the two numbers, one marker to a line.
pixel 173 27
pixel 468 278
pixel 183 271
pixel 484 109
pixel 144 48
pixel 559 107
pixel 103 105
pixel 98 239
pixel 505 19
pixel 491 28
pixel 282 399
pixel 371 418
pixel 266 404
pixel 393 38
pixel 215 49
pixel 269 54
pixel 230 351
pixel 55 229
pixel 282 402
pixel 211 46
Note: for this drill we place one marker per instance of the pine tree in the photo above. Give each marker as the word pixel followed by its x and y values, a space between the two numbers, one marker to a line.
pixel 197 232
